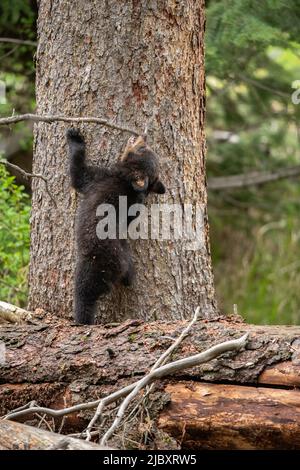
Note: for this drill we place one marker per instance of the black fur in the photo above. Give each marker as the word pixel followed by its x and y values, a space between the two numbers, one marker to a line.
pixel 103 263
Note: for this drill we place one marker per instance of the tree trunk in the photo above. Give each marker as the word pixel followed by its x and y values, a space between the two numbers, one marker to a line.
pixel 123 61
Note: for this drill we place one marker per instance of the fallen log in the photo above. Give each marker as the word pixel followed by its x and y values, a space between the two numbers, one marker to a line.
pixel 285 374
pixel 227 417
pixel 17 436
pixel 59 365
pixel 218 417
pixel 13 314
pixel 56 351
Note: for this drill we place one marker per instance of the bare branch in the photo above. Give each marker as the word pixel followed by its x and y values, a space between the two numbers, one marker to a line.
pixel 27 175
pixel 263 86
pixel 54 118
pixel 161 360
pixel 170 368
pixel 253 178
pixel 23 172
pixel 72 409
pixel 30 404
pixel 20 42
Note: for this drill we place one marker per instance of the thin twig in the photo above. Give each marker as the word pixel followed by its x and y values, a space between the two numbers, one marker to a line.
pixel 78 119
pixel 161 360
pixel 63 419
pixel 24 173
pixel 7 284
pixel 30 404
pixel 263 86
pixel 20 42
pixel 252 178
pixel 9 53
pixel 43 420
pixel 27 176
pixel 82 434
pixel 170 368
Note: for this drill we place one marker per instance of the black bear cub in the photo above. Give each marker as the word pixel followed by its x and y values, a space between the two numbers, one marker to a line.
pixel 102 263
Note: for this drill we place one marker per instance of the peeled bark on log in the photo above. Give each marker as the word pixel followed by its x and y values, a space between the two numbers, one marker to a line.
pixel 17 436
pixel 285 374
pixel 228 417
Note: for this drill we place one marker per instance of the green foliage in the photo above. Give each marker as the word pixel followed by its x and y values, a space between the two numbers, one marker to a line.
pixel 17 20
pixel 14 239
pixel 14 11
pixel 241 30
pixel 252 54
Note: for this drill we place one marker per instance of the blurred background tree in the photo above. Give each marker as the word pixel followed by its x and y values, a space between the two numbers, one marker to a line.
pixel 252 60
pixel 17 21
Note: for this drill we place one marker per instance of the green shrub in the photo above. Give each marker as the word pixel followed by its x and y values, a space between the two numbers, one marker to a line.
pixel 14 239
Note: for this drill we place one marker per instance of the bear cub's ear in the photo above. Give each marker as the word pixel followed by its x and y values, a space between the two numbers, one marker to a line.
pixel 158 187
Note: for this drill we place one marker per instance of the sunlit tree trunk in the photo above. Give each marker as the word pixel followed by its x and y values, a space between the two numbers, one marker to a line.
pixel 122 60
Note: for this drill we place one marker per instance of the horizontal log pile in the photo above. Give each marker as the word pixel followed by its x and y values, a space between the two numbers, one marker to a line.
pixel 59 364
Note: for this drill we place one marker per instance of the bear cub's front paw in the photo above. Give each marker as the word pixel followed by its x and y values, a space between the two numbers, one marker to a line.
pixel 74 135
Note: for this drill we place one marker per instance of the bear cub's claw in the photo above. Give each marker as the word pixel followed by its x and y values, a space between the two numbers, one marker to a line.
pixel 74 135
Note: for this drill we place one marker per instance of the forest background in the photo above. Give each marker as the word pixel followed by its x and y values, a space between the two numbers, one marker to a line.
pixel 252 124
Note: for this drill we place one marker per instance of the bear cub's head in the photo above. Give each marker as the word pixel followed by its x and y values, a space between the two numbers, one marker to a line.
pixel 139 164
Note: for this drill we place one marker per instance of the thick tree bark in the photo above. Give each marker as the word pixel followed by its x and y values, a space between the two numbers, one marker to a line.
pixel 124 61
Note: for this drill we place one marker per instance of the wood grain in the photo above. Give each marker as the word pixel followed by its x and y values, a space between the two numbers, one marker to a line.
pixel 213 416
